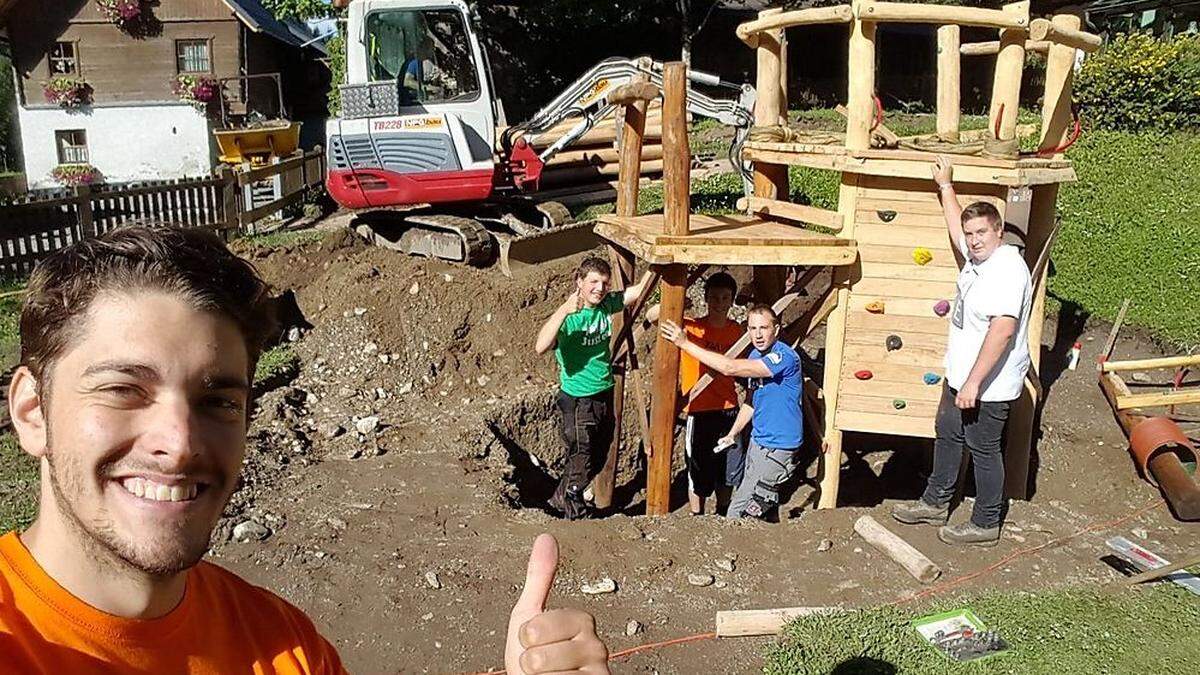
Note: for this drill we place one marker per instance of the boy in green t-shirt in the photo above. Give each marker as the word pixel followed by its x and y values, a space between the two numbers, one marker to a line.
pixel 580 331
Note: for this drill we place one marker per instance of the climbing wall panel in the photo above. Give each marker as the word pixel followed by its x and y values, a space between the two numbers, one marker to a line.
pixel 894 217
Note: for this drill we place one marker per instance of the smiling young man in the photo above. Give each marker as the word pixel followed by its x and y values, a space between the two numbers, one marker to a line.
pixel 987 356
pixel 773 410
pixel 133 392
pixel 580 332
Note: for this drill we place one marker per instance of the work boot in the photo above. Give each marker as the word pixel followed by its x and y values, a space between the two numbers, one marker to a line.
pixel 969 533
pixel 911 513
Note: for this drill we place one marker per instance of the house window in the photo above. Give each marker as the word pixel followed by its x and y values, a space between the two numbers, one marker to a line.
pixel 191 56
pixel 63 60
pixel 72 146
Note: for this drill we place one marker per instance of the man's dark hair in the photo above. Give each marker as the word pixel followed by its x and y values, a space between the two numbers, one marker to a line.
pixel 192 264
pixel 762 308
pixel 720 280
pixel 593 264
pixel 983 210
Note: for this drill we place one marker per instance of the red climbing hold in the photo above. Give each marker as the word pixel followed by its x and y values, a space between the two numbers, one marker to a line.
pixel 864 374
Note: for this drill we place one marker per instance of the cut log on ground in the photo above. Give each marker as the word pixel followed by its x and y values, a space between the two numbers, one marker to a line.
pixel 913 561
pixel 746 622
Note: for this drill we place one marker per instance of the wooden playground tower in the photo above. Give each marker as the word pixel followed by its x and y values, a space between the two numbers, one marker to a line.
pixel 887 208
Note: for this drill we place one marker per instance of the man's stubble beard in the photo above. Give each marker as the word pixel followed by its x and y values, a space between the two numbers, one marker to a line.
pixel 100 537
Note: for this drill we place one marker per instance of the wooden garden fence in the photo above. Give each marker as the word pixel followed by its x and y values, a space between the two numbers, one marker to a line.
pixel 37 224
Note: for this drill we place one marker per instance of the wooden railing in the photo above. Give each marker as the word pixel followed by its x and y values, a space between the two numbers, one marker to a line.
pixel 37 224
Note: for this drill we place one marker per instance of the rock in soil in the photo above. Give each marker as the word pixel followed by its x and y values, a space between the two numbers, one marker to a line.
pixel 633 628
pixel 431 578
pixel 250 530
pixel 701 579
pixel 605 585
pixel 727 564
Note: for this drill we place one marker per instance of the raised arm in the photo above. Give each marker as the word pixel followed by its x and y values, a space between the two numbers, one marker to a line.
pixel 548 333
pixel 718 362
pixel 943 175
pixel 633 292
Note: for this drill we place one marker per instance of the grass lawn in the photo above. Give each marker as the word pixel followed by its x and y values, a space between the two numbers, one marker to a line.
pixel 18 485
pixel 1145 630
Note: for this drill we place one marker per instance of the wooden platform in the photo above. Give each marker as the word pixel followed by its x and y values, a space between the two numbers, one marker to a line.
pixel 913 163
pixel 726 240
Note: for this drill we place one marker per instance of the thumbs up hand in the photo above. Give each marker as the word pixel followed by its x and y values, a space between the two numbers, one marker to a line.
pixel 561 640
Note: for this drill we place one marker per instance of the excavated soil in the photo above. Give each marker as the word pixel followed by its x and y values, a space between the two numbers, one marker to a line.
pixel 402 470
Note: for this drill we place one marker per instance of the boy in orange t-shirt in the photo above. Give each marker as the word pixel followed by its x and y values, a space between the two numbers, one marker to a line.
pixel 133 393
pixel 712 413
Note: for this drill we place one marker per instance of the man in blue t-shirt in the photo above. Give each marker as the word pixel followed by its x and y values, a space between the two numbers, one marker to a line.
pixel 773 406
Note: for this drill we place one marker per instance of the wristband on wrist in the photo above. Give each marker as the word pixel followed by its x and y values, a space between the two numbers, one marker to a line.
pixel 943 186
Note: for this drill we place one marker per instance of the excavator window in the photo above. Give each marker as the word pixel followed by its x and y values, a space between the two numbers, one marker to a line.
pixel 428 52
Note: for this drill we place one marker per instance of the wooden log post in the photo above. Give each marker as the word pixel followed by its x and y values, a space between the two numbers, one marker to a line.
pixel 1010 66
pixel 770 180
pixel 676 211
pixel 859 113
pixel 1056 117
pixel 913 561
pixel 623 262
pixel 83 206
pixel 949 68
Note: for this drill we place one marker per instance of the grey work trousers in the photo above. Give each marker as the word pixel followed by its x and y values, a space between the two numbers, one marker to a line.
pixel 766 470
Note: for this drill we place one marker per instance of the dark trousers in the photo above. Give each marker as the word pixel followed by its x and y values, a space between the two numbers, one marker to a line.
pixel 981 429
pixel 587 431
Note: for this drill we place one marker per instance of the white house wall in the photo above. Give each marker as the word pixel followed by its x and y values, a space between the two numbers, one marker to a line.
pixel 125 143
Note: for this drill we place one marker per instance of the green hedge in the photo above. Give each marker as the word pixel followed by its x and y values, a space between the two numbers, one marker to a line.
pixel 1077 631
pixel 1137 82
pixel 1131 229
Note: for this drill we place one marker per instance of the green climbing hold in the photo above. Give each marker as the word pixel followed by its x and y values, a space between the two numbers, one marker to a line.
pixel 899 404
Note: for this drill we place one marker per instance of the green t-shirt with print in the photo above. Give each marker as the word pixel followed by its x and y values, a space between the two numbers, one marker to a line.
pixel 582 348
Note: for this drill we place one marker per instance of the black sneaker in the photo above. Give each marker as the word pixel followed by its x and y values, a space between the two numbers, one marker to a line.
pixel 914 512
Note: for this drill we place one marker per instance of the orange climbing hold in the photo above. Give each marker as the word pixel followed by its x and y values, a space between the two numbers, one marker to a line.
pixel 875 307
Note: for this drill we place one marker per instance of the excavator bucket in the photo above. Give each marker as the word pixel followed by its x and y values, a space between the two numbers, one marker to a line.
pixel 518 254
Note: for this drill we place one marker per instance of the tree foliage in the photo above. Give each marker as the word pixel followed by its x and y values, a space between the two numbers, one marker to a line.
pixel 298 9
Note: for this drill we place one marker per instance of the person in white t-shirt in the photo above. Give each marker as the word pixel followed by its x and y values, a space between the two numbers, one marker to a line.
pixel 987 356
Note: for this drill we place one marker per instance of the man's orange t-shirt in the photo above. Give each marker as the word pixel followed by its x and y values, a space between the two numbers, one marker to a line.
pixel 223 625
pixel 721 394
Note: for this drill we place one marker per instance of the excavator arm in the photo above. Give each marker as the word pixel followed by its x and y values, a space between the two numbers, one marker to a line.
pixel 588 99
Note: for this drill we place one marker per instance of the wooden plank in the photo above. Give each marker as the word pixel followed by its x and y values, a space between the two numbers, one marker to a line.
pixel 937 241
pixel 859 356
pixel 261 212
pixel 991 48
pixel 907 391
pixel 746 622
pixel 900 216
pixel 923 204
pixel 909 12
pixel 1149 364
pixel 893 372
pixel 803 213
pixel 850 420
pixel 630 242
pixel 830 162
pixel 1158 399
pixel 932 325
pixel 773 254
pixel 900 255
pixel 909 272
pixel 882 405
pixel 254 175
pixel 912 340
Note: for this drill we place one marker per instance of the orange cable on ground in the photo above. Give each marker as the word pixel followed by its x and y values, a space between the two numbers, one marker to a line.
pixel 933 590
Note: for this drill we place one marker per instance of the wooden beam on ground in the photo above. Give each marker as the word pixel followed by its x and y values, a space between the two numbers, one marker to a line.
pixel 1163 398
pixel 908 12
pixel 748 32
pixel 1151 575
pixel 747 622
pixel 676 211
pixel 949 94
pixel 1056 96
pixel 913 561
pixel 1149 364
pixel 788 211
pixel 1111 341
pixel 1059 33
pixel 1010 67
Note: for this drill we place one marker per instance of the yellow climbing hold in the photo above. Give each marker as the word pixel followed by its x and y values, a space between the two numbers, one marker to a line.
pixel 922 255
pixel 875 307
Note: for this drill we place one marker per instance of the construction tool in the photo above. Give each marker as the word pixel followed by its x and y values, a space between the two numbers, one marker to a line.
pixel 1160 572
pixel 1146 560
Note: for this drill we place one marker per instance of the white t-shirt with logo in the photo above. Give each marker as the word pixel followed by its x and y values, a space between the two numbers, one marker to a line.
pixel 998 286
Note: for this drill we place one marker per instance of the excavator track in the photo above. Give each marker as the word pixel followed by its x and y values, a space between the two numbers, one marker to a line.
pixel 432 235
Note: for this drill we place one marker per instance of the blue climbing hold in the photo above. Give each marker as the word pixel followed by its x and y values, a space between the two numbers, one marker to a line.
pixel 932 378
